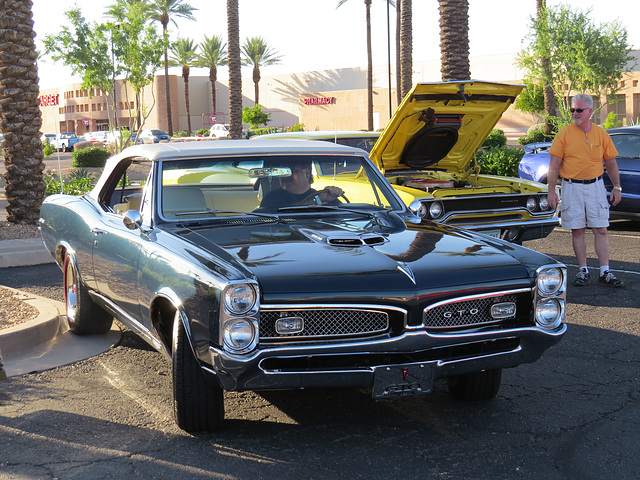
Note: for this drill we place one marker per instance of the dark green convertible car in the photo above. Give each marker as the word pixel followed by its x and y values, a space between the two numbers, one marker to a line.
pixel 287 265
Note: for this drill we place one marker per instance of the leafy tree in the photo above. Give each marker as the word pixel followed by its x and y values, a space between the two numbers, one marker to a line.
pixel 20 116
pixel 213 54
pixel 454 40
pixel 550 105
pixel 583 57
pixel 184 54
pixel 86 49
pixel 531 99
pixel 235 74
pixel 165 11
pixel 256 53
pixel 255 116
pixel 139 52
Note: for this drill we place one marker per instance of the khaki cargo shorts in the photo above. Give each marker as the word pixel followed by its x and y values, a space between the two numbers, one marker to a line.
pixel 584 205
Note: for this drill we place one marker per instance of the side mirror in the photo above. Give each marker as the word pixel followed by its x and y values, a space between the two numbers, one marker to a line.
pixel 132 219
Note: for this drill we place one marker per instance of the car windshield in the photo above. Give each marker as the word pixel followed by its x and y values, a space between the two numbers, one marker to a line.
pixel 306 184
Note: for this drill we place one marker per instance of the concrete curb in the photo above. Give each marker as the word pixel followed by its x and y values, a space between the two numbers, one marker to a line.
pixel 46 342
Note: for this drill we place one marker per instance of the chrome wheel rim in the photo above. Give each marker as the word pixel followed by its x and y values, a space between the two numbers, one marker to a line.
pixel 70 292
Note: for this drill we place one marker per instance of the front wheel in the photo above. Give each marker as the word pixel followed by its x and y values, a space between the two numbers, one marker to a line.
pixel 83 315
pixel 475 386
pixel 198 404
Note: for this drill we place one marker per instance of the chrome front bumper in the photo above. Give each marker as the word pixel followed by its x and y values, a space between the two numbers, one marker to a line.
pixel 354 364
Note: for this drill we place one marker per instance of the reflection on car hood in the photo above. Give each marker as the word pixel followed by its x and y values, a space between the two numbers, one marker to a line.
pixel 441 125
pixel 319 257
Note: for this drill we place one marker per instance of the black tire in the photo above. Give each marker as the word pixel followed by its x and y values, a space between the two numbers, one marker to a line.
pixel 475 386
pixel 198 404
pixel 83 315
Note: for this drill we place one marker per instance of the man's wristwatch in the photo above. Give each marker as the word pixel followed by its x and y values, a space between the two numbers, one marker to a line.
pixel 618 188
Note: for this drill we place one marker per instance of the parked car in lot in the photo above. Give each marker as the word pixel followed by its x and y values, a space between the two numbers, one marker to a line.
pixel 356 292
pixel 64 142
pixel 427 152
pixel 47 137
pixel 535 166
pixel 153 136
pixel 219 130
pixel 100 136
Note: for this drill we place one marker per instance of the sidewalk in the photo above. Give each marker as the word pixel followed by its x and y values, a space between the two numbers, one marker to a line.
pixel 45 342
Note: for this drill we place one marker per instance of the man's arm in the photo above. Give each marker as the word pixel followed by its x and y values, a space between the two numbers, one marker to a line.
pixel 552 180
pixel 612 170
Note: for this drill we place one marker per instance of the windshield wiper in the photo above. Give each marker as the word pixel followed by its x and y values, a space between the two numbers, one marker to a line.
pixel 238 212
pixel 332 208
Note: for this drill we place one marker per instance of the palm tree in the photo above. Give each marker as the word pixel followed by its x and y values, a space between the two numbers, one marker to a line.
pixel 213 54
pixel 20 117
pixel 406 48
pixel 184 55
pixel 165 11
pixel 235 74
pixel 549 95
pixel 454 40
pixel 256 53
pixel 367 4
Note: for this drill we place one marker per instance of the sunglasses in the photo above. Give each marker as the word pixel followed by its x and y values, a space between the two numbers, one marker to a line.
pixel 579 110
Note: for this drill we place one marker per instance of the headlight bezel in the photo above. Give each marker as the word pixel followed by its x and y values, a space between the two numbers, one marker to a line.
pixel 232 298
pixel 549 302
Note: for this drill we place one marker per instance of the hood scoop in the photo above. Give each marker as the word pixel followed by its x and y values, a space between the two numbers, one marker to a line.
pixel 345 239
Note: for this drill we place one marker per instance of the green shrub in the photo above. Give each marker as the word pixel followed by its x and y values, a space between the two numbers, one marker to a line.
pixel 80 181
pixel 611 121
pixel 496 138
pixel 89 157
pixel 502 161
pixel 533 136
pixel 48 149
pixel 181 133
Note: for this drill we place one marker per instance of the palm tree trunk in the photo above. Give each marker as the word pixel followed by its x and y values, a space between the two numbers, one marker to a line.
pixel 213 77
pixel 185 76
pixel 398 51
pixel 406 41
pixel 235 74
pixel 20 116
pixel 369 69
pixel 256 85
pixel 166 81
pixel 550 107
pixel 454 40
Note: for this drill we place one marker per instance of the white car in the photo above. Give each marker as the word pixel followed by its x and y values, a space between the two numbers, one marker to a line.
pixel 47 137
pixel 219 130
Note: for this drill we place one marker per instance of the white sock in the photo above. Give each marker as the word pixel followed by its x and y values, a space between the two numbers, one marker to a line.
pixel 603 269
pixel 584 269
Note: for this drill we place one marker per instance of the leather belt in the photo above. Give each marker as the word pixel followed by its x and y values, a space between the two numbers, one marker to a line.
pixel 578 180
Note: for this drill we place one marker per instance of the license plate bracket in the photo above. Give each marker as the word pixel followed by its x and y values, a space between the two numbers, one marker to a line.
pixel 402 380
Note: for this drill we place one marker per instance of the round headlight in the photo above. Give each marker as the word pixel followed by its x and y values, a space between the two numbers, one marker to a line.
pixel 239 299
pixel 532 204
pixel 239 333
pixel 418 208
pixel 435 209
pixel 549 313
pixel 544 203
pixel 550 280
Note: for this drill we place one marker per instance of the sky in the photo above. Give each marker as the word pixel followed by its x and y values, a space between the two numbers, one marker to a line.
pixel 312 35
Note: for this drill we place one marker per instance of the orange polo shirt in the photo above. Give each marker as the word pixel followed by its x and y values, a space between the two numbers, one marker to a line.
pixel 582 153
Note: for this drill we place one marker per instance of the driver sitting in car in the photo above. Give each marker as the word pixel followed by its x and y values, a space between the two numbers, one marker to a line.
pixel 295 189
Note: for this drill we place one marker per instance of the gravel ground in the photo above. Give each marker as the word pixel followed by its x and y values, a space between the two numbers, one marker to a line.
pixel 12 310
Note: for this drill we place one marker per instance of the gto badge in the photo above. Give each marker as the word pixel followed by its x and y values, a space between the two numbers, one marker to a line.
pixel 460 313
pixel 289 325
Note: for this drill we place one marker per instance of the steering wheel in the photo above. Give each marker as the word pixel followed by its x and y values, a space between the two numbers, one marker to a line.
pixel 308 198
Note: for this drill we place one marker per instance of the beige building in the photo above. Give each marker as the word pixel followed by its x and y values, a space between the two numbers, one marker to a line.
pixel 320 100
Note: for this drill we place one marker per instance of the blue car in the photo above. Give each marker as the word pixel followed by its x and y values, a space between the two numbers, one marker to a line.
pixel 535 166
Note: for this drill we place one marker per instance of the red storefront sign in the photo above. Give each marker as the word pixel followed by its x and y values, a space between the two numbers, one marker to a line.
pixel 319 100
pixel 48 100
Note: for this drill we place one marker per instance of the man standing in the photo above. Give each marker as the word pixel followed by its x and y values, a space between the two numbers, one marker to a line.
pixel 577 155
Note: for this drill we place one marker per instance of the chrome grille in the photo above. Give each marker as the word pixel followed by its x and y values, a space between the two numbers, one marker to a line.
pixel 326 322
pixel 471 311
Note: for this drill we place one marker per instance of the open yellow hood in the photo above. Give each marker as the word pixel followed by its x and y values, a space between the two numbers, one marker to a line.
pixel 439 126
